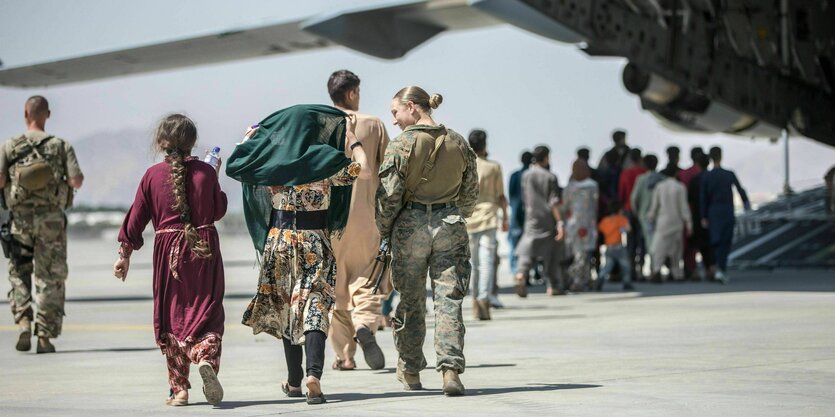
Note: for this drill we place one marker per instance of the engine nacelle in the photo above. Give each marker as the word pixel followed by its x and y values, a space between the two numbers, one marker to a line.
pixel 684 110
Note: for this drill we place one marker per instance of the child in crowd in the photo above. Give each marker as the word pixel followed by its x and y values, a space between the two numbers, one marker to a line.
pixel 612 227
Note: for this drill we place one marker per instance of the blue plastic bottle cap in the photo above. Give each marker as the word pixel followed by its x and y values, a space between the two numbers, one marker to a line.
pixel 216 149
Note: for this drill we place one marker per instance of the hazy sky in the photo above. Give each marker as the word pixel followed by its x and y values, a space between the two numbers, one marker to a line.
pixel 523 89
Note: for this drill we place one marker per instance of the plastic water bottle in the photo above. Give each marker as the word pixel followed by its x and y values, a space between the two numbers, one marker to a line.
pixel 213 157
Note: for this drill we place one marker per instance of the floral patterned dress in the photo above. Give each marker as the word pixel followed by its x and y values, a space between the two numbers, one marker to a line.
pixel 298 273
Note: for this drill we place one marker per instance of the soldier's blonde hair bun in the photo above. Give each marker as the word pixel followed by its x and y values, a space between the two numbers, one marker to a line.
pixel 435 100
pixel 420 97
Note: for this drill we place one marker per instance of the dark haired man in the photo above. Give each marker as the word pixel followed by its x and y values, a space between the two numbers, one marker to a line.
pixel 634 243
pixel 38 173
pixel 642 195
pixel 483 224
pixel 699 241
pixel 517 208
pixel 543 225
pixel 670 215
pixel 673 158
pixel 611 165
pixel 717 211
pixel 686 176
pixel 357 310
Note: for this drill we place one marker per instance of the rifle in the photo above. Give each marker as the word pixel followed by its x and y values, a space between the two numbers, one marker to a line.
pixel 382 260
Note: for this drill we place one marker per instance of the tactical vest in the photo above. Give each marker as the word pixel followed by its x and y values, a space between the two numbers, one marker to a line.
pixel 436 167
pixel 37 174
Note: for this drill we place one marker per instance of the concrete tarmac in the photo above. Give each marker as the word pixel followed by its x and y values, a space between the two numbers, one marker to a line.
pixel 764 345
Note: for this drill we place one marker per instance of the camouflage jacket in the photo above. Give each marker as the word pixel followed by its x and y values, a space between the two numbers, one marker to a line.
pixel 453 178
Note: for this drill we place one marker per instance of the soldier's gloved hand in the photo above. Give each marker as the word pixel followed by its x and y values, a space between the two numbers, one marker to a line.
pixel 120 268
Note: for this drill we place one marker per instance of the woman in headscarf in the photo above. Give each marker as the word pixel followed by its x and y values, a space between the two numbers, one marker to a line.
pixel 298 154
pixel 580 205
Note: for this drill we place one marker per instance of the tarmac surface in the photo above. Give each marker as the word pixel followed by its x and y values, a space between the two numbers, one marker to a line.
pixel 764 345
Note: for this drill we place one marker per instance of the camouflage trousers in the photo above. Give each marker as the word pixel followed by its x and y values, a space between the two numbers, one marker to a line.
pixel 437 243
pixel 44 231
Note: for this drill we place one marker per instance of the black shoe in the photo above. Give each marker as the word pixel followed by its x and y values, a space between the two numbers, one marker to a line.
pixel 628 287
pixel 370 349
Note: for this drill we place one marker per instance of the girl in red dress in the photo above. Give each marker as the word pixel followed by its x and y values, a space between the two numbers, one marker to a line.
pixel 182 197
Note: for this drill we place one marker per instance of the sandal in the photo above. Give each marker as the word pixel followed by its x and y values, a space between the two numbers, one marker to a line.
pixel 318 399
pixel 338 366
pixel 291 391
pixel 211 386
pixel 173 401
pixel 521 288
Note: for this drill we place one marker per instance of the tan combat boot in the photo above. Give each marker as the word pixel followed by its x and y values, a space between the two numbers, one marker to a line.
pixel 411 382
pixel 483 309
pixel 44 345
pixel 24 341
pixel 452 384
pixel 476 310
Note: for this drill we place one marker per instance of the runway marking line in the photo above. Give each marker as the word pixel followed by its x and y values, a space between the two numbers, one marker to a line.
pixel 93 327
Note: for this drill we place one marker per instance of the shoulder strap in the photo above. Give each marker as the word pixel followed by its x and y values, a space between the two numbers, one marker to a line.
pixel 427 166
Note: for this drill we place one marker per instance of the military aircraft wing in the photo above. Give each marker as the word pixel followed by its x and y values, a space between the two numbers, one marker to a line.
pixel 384 30
pixel 228 45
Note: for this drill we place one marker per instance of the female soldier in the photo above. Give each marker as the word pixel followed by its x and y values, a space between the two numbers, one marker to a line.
pixel 429 184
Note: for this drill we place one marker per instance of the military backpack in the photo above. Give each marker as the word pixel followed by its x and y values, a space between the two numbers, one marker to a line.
pixel 37 173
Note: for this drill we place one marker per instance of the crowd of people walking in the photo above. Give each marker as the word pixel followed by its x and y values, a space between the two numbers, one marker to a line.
pixel 328 198
pixel 607 221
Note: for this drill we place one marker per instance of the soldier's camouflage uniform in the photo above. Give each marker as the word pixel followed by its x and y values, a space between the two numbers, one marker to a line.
pixel 428 239
pixel 39 226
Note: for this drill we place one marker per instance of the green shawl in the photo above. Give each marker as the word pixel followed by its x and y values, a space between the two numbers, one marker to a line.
pixel 293 146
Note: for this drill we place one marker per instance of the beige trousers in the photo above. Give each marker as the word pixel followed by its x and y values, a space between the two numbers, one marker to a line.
pixel 365 311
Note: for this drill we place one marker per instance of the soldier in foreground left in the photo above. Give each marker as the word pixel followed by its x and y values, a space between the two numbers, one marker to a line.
pixel 38 172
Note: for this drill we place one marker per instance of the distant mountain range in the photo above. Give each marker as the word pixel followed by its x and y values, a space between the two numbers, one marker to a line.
pixel 114 162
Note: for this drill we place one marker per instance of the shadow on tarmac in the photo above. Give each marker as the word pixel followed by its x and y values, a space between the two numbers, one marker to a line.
pixel 484 365
pixel 528 388
pixel 798 280
pixel 143 349
pixel 346 397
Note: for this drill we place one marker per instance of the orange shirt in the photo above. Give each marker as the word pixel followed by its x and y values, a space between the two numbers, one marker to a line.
pixel 611 227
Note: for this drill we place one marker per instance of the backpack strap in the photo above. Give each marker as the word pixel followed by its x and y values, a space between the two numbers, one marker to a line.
pixel 427 166
pixel 32 148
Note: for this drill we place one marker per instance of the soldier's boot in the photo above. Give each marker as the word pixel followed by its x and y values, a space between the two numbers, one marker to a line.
pixel 44 346
pixel 452 384
pixel 370 349
pixel 24 341
pixel 483 309
pixel 411 382
pixel 476 309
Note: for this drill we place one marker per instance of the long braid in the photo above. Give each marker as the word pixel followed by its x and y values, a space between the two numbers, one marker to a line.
pixel 176 135
pixel 198 246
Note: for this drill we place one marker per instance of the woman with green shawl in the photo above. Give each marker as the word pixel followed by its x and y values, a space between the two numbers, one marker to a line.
pixel 297 189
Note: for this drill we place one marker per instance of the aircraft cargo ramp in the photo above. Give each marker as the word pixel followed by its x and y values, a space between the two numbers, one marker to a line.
pixel 793 231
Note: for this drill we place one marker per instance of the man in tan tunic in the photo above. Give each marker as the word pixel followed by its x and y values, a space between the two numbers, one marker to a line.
pixel 357 309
